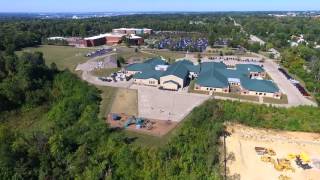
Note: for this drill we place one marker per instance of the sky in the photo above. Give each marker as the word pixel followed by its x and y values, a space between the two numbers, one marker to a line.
pixel 155 5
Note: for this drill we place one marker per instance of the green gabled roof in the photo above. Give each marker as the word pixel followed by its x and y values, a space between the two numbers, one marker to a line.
pixel 259 85
pixel 139 67
pixel 147 74
pixel 212 78
pixel 230 73
pixel 177 69
pixel 208 66
pixel 193 68
pixel 249 68
pixel 155 61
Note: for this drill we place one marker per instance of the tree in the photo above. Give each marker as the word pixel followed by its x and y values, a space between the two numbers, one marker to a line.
pixel 120 61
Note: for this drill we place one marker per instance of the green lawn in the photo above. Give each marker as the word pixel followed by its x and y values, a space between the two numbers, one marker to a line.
pixel 238 96
pixel 107 94
pixel 166 53
pixel 63 56
pixel 129 54
pixel 283 100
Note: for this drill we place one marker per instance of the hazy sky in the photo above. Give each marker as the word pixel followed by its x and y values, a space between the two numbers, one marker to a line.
pixel 154 5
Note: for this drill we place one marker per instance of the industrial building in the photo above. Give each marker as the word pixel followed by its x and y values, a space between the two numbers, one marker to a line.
pixel 247 79
pixel 135 40
pixel 129 31
pixel 103 39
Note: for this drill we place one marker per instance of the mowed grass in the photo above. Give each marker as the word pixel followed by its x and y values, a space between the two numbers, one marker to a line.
pixel 282 100
pixel 237 96
pixel 65 57
pixel 130 55
pixel 126 101
pixel 107 95
pixel 172 55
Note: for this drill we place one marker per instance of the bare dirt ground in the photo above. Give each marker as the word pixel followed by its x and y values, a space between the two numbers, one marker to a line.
pixel 244 163
pixel 159 127
pixel 126 101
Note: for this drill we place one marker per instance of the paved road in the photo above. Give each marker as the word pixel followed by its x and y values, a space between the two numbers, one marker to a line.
pixel 295 98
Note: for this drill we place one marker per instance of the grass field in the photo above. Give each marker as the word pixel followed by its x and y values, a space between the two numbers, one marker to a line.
pixel 283 100
pixel 126 101
pixel 108 95
pixel 166 53
pixel 130 55
pixel 238 96
pixel 65 57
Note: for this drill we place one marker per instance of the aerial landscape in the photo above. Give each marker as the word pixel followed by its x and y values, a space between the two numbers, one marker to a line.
pixel 160 90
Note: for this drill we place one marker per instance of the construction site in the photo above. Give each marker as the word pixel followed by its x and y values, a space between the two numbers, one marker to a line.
pixel 260 154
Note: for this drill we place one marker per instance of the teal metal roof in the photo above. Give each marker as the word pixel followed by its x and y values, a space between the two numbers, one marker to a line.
pixel 139 67
pixel 259 85
pixel 208 66
pixel 185 62
pixel 155 61
pixel 249 68
pixel 212 78
pixel 230 73
pixel 147 74
pixel 177 69
pixel 193 68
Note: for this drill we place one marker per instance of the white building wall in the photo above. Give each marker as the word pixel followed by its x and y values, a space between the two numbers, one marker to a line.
pixel 171 78
pixel 147 82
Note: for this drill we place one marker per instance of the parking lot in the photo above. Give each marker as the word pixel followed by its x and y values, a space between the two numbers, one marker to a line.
pixel 295 98
pixel 166 105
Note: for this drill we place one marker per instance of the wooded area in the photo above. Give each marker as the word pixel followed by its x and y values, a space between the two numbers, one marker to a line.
pixel 72 142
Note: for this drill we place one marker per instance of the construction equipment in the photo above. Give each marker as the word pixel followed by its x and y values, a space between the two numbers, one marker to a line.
pixel 283 164
pixel 267 159
pixel 302 160
pixel 301 164
pixel 265 151
pixel 283 177
pixel 303 156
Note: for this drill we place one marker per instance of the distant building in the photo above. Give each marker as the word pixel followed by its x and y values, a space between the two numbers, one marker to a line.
pixel 255 39
pixel 129 31
pixel 135 40
pixel 96 40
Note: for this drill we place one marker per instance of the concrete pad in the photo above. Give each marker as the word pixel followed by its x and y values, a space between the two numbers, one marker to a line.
pixel 167 105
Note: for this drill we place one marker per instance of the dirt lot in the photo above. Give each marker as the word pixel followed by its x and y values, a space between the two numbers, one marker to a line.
pixel 126 101
pixel 159 127
pixel 244 163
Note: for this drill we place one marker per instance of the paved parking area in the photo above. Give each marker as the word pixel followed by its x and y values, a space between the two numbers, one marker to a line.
pixel 166 105
pixel 295 98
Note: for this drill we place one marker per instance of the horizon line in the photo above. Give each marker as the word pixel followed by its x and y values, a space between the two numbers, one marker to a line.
pixel 177 11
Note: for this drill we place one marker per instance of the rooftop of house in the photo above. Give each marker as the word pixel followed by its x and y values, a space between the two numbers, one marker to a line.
pixel 177 69
pixel 249 68
pixel 259 85
pixel 212 78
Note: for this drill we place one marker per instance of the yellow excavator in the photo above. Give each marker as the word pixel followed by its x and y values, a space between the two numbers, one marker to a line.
pixel 280 164
pixel 265 151
pixel 303 156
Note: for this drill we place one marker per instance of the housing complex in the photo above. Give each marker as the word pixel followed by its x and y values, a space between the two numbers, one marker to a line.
pixel 246 79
